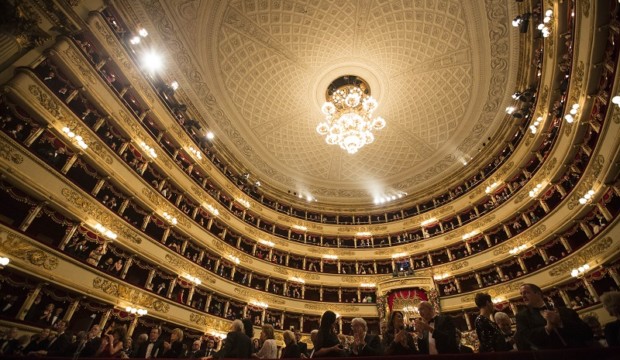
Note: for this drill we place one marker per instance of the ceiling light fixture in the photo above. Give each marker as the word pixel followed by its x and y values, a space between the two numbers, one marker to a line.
pixel 348 113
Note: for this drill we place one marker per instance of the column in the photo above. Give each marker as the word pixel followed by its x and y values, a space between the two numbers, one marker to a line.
pixel 522 264
pixel 478 279
pixel 128 264
pixel 614 275
pixel 499 272
pixel 590 289
pixel 149 279
pixel 71 310
pixel 190 295
pixel 98 186
pixel 173 283
pixel 301 322
pixel 450 257
pixel 132 326
pixel 31 215
pixel 458 284
pixel 21 314
pixel 543 254
pixel 68 235
pixel 567 246
pixel 104 318
pixel 467 320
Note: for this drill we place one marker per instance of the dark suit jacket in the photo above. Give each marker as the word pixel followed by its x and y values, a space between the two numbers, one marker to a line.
pixel 176 349
pixel 531 333
pixel 444 335
pixel 372 348
pixel 60 346
pixel 91 347
pixel 291 351
pixel 395 348
pixel 237 345
pixel 197 354
pixel 158 349
pixel 303 347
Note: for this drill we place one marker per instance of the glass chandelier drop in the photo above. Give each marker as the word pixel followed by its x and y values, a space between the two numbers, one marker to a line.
pixel 349 118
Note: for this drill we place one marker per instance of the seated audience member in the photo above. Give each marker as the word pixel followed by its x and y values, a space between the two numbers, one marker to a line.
pixel 112 342
pixel 327 341
pixel 505 325
pixel 174 347
pixel 237 344
pixel 291 350
pixel 196 352
pixel 598 339
pixel 539 326
pixel 140 340
pixel 303 347
pixel 10 345
pixel 92 343
pixel 396 339
pixel 60 346
pixel 611 301
pixel 364 344
pixel 152 348
pixel 269 348
pixel 436 333
pixel 314 339
pixel 490 336
pixel 38 342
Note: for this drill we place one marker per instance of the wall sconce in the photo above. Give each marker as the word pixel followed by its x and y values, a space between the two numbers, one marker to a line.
pixel 149 150
pixel 210 208
pixel 399 255
pixel 428 222
pixel 169 218
pixel 193 279
pixel 517 249
pixel 535 191
pixel 330 257
pixel 105 232
pixel 260 304
pixel 234 259
pixel 364 234
pixel 440 276
pixel 470 234
pixel 266 242
pixel 136 311
pixel 300 227
pixel 4 261
pixel 570 117
pixel 491 187
pixel 368 285
pixel 546 31
pixel 587 197
pixel 534 126
pixel 195 152
pixel 297 279
pixel 616 100
pixel 580 271
pixel 243 202
pixel 77 139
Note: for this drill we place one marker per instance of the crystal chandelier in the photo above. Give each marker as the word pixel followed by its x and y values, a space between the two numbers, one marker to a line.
pixel 349 118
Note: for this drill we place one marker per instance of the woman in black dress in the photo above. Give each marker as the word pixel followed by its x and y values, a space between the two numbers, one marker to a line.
pixel 489 334
pixel 396 340
pixel 327 342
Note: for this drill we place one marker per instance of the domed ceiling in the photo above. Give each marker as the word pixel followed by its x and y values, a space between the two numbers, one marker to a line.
pixel 257 71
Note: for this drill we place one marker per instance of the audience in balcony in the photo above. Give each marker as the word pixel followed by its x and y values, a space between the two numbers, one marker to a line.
pixel 543 326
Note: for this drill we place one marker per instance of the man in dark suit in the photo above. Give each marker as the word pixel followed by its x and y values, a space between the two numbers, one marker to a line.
pixel 437 333
pixel 152 348
pixel 196 352
pixel 93 341
pixel 364 344
pixel 209 350
pixel 303 347
pixel 540 326
pixel 237 344
pixel 59 346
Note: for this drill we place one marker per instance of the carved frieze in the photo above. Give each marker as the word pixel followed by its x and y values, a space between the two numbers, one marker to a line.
pixel 190 269
pixel 131 295
pixel 591 252
pixel 9 153
pixel 18 247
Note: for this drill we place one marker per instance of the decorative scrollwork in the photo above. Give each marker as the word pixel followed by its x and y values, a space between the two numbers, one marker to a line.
pixel 18 247
pixel 129 294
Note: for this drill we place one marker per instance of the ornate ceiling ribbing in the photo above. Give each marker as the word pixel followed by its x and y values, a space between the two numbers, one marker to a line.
pixel 257 72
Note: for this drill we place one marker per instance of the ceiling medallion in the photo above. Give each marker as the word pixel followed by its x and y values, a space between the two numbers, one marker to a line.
pixel 348 113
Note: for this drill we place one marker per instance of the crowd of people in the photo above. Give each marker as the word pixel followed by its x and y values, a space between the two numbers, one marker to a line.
pixel 539 325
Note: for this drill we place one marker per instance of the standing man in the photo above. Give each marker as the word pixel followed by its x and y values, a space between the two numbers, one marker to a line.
pixel 93 341
pixel 437 333
pixel 540 326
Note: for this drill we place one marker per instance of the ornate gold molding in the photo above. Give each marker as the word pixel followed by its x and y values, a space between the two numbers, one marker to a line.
pixel 335 307
pixel 250 294
pixel 134 296
pixel 10 153
pixel 101 216
pixel 591 252
pixel 211 322
pixel 529 235
pixel 203 275
pixel 18 247
pixel 587 181
pixel 48 103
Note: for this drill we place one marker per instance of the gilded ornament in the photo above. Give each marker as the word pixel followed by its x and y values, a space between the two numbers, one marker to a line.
pixel 18 247
pixel 127 293
pixel 8 152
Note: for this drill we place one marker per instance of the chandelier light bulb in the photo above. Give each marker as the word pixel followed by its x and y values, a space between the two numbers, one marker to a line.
pixel 616 99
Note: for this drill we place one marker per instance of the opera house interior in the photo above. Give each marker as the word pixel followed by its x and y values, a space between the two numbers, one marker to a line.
pixel 183 164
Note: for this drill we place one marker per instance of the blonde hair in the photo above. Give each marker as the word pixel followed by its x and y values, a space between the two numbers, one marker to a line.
pixel 179 333
pixel 289 337
pixel 268 330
